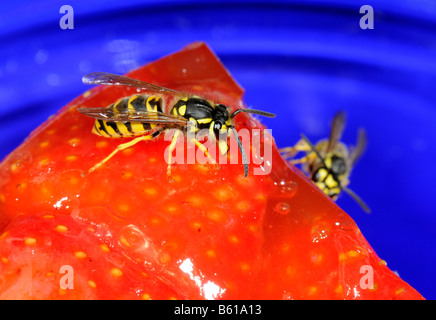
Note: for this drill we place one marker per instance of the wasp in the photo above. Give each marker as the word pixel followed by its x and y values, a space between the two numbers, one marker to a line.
pixel 145 116
pixel 329 162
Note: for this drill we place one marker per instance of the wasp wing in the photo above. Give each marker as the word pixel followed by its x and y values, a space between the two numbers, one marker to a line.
pixel 337 129
pixel 109 79
pixel 358 150
pixel 107 114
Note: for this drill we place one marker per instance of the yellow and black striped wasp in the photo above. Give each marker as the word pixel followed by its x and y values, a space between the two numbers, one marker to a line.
pixel 329 162
pixel 145 116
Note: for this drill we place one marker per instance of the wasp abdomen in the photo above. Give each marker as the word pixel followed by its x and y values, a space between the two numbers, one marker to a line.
pixel 132 105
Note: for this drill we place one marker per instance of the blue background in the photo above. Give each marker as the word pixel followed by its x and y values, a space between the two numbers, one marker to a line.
pixel 303 60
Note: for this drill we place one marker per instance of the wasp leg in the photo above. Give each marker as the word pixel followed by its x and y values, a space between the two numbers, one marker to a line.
pixel 126 145
pixel 301 160
pixel 173 145
pixel 204 149
pixel 170 152
pixel 289 152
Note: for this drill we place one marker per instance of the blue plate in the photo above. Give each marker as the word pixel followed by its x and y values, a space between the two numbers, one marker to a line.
pixel 301 60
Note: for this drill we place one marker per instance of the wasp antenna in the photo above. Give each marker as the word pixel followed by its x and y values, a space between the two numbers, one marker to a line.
pixel 241 149
pixel 312 147
pixel 357 199
pixel 253 111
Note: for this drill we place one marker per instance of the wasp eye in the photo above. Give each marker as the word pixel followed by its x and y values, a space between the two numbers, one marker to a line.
pixel 338 165
pixel 217 125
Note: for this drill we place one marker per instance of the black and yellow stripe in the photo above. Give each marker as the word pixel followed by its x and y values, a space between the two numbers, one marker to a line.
pixel 327 182
pixel 128 105
pixel 330 173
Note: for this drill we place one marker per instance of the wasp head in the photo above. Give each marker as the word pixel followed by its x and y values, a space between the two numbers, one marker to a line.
pixel 221 119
